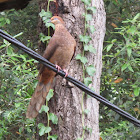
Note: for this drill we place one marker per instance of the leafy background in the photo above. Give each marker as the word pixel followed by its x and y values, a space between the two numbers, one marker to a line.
pixel 120 80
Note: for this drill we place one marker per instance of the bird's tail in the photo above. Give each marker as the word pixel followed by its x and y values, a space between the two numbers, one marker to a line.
pixel 39 96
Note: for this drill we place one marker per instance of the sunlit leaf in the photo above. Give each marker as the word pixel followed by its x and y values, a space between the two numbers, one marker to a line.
pixel 136 91
pixel 90 70
pixel 53 118
pixel 109 47
pixel 50 94
pixel 44 108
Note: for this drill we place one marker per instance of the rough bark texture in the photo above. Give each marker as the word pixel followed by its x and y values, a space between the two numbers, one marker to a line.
pixel 66 103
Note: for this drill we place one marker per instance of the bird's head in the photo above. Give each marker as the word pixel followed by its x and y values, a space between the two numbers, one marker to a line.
pixel 57 20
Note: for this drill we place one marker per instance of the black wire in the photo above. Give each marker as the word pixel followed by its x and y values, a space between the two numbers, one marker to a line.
pixel 70 79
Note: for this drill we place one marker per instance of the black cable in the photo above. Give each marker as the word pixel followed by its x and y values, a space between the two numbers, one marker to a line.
pixel 70 79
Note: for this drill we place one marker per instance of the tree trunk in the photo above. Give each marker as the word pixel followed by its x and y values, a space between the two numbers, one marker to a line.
pixel 66 103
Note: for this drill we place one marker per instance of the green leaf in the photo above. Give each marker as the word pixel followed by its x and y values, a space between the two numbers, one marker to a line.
pixel 19 34
pixel 18 104
pixel 44 108
pixel 47 129
pixel 40 125
pixel 53 118
pixel 130 68
pixel 53 137
pixel 81 58
pixel 85 38
pixel 86 111
pixel 124 67
pixel 90 70
pixel 50 94
pixel 136 91
pixel 109 47
pixel 129 51
pixel 88 17
pixel 49 25
pixel 136 17
pixel 44 38
pixel 43 13
pixel 92 29
pixel 89 48
pixel 9 50
pixel 23 57
pixel 114 40
pixel 86 2
pixel 43 129
pixel 132 30
pixel 87 81
pixel 93 9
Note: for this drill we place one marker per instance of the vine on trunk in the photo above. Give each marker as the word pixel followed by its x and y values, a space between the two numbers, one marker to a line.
pixel 88 70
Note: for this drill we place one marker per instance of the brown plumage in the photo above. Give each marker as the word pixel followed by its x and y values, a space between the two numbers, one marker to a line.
pixel 59 52
pixel 16 4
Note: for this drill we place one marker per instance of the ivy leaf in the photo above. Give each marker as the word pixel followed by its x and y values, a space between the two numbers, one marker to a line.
pixel 44 38
pixel 53 118
pixel 136 91
pixel 43 13
pixel 43 129
pixel 86 2
pixel 50 94
pixel 129 51
pixel 40 125
pixel 47 129
pixel 53 137
pixel 90 70
pixel 87 81
pixel 86 111
pixel 109 47
pixel 92 29
pixel 88 17
pixel 49 25
pixel 93 9
pixel 89 48
pixel 44 108
pixel 85 38
pixel 81 58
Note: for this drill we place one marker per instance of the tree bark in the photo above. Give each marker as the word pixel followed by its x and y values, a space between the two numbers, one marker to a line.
pixel 66 103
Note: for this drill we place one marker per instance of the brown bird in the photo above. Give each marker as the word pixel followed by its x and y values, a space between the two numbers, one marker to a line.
pixel 9 4
pixel 59 51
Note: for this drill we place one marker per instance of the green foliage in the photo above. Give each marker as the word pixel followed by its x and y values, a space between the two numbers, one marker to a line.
pixel 87 47
pixel 50 116
pixel 17 78
pixel 46 18
pixel 44 38
pixel 17 74
pixel 43 129
pixel 120 79
pixel 50 95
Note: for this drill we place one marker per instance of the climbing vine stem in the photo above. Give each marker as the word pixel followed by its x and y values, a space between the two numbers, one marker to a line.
pixel 88 71
pixel 50 116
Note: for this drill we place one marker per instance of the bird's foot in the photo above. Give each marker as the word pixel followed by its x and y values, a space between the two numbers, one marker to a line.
pixel 58 68
pixel 66 72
